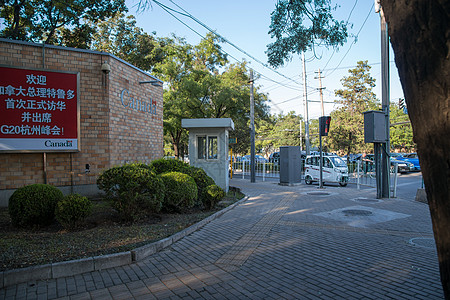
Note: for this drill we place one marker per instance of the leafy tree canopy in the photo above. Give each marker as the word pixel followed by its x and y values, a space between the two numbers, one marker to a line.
pixel 282 130
pixel 401 134
pixel 347 125
pixel 120 36
pixel 297 25
pixel 57 22
pixel 201 83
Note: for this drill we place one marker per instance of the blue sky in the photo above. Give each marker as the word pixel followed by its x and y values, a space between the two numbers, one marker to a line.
pixel 246 25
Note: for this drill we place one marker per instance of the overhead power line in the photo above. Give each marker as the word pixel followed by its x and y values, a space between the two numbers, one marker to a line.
pixel 354 41
pixel 187 14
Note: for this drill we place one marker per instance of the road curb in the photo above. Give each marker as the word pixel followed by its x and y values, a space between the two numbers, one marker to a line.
pixel 90 264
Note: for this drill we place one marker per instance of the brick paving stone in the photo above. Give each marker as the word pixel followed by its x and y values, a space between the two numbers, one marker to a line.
pixel 145 297
pixel 120 292
pixel 275 246
pixel 130 271
pixel 100 294
pixel 41 297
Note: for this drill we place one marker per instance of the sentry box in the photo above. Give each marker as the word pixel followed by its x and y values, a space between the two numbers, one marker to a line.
pixel 208 147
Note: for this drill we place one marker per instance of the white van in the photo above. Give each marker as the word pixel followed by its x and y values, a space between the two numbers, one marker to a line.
pixel 334 169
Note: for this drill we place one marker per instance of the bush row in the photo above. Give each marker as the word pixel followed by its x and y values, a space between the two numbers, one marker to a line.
pixel 40 204
pixel 165 184
pixel 135 190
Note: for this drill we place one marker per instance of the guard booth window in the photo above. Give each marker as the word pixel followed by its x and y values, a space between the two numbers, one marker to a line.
pixel 207 147
pixel 212 147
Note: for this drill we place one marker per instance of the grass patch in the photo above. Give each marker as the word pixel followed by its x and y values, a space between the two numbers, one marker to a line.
pixel 101 234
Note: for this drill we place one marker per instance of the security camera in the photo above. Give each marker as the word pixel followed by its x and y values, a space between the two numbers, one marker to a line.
pixel 106 68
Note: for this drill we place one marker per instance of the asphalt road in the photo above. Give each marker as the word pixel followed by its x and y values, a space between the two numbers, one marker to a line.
pixel 407 184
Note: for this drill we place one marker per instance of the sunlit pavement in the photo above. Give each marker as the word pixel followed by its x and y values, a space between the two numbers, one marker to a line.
pixel 283 242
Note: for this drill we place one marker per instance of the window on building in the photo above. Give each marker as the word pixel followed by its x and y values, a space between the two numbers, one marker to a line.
pixel 207 147
pixel 201 147
pixel 212 147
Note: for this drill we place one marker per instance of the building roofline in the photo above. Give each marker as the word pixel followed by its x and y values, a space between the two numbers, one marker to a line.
pixel 43 45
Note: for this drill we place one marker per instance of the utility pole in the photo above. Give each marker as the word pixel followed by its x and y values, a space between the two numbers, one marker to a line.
pixel 384 191
pixel 385 155
pixel 305 99
pixel 320 91
pixel 301 142
pixel 252 130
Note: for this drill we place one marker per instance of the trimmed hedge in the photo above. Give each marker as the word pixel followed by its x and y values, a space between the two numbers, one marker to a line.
pixel 213 194
pixel 202 180
pixel 169 165
pixel 34 205
pixel 181 191
pixel 135 190
pixel 173 165
pixel 72 210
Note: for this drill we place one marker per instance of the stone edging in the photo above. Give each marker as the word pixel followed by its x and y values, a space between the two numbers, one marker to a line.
pixel 83 265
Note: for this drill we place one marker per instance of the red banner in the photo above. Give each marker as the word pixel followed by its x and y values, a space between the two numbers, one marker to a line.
pixel 39 110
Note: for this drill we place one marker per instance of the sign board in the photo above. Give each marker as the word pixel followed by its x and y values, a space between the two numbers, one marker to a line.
pixel 39 110
pixel 232 140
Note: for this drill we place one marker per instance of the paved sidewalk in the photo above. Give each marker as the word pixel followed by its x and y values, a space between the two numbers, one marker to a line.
pixel 284 242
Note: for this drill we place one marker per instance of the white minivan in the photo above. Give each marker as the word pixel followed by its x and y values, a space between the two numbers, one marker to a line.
pixel 334 169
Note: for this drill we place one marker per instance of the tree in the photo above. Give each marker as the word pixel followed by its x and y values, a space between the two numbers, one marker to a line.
pixel 356 97
pixel 202 84
pixel 120 36
pixel 298 24
pixel 57 22
pixel 401 135
pixel 285 131
pixel 419 32
pixel 173 69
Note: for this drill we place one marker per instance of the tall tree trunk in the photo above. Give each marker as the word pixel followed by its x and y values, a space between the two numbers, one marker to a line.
pixel 420 36
pixel 16 20
pixel 176 140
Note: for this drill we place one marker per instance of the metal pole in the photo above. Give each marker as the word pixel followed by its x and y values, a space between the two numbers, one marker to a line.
pixel 358 166
pixel 321 93
pixel 385 155
pixel 264 171
pixel 231 163
pixel 320 163
pixel 394 191
pixel 377 148
pixel 305 98
pixel 301 142
pixel 252 130
pixel 44 167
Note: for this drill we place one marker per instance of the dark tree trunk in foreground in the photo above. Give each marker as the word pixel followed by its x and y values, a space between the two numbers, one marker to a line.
pixel 420 36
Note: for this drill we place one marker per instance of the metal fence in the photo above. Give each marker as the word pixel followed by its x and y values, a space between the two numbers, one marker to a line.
pixel 262 169
pixel 361 173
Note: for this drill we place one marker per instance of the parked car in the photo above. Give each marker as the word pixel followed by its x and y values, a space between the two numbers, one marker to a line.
pixel 258 158
pixel 403 166
pixel 412 158
pixel 334 169
pixel 352 157
pixel 274 158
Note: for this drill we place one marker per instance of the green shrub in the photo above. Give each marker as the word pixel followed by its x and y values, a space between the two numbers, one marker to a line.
pixel 173 165
pixel 34 205
pixel 135 190
pixel 162 165
pixel 72 210
pixel 202 180
pixel 213 194
pixel 181 191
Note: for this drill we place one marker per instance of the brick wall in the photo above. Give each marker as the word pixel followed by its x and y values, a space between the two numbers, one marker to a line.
pixel 136 127
pixel 110 133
